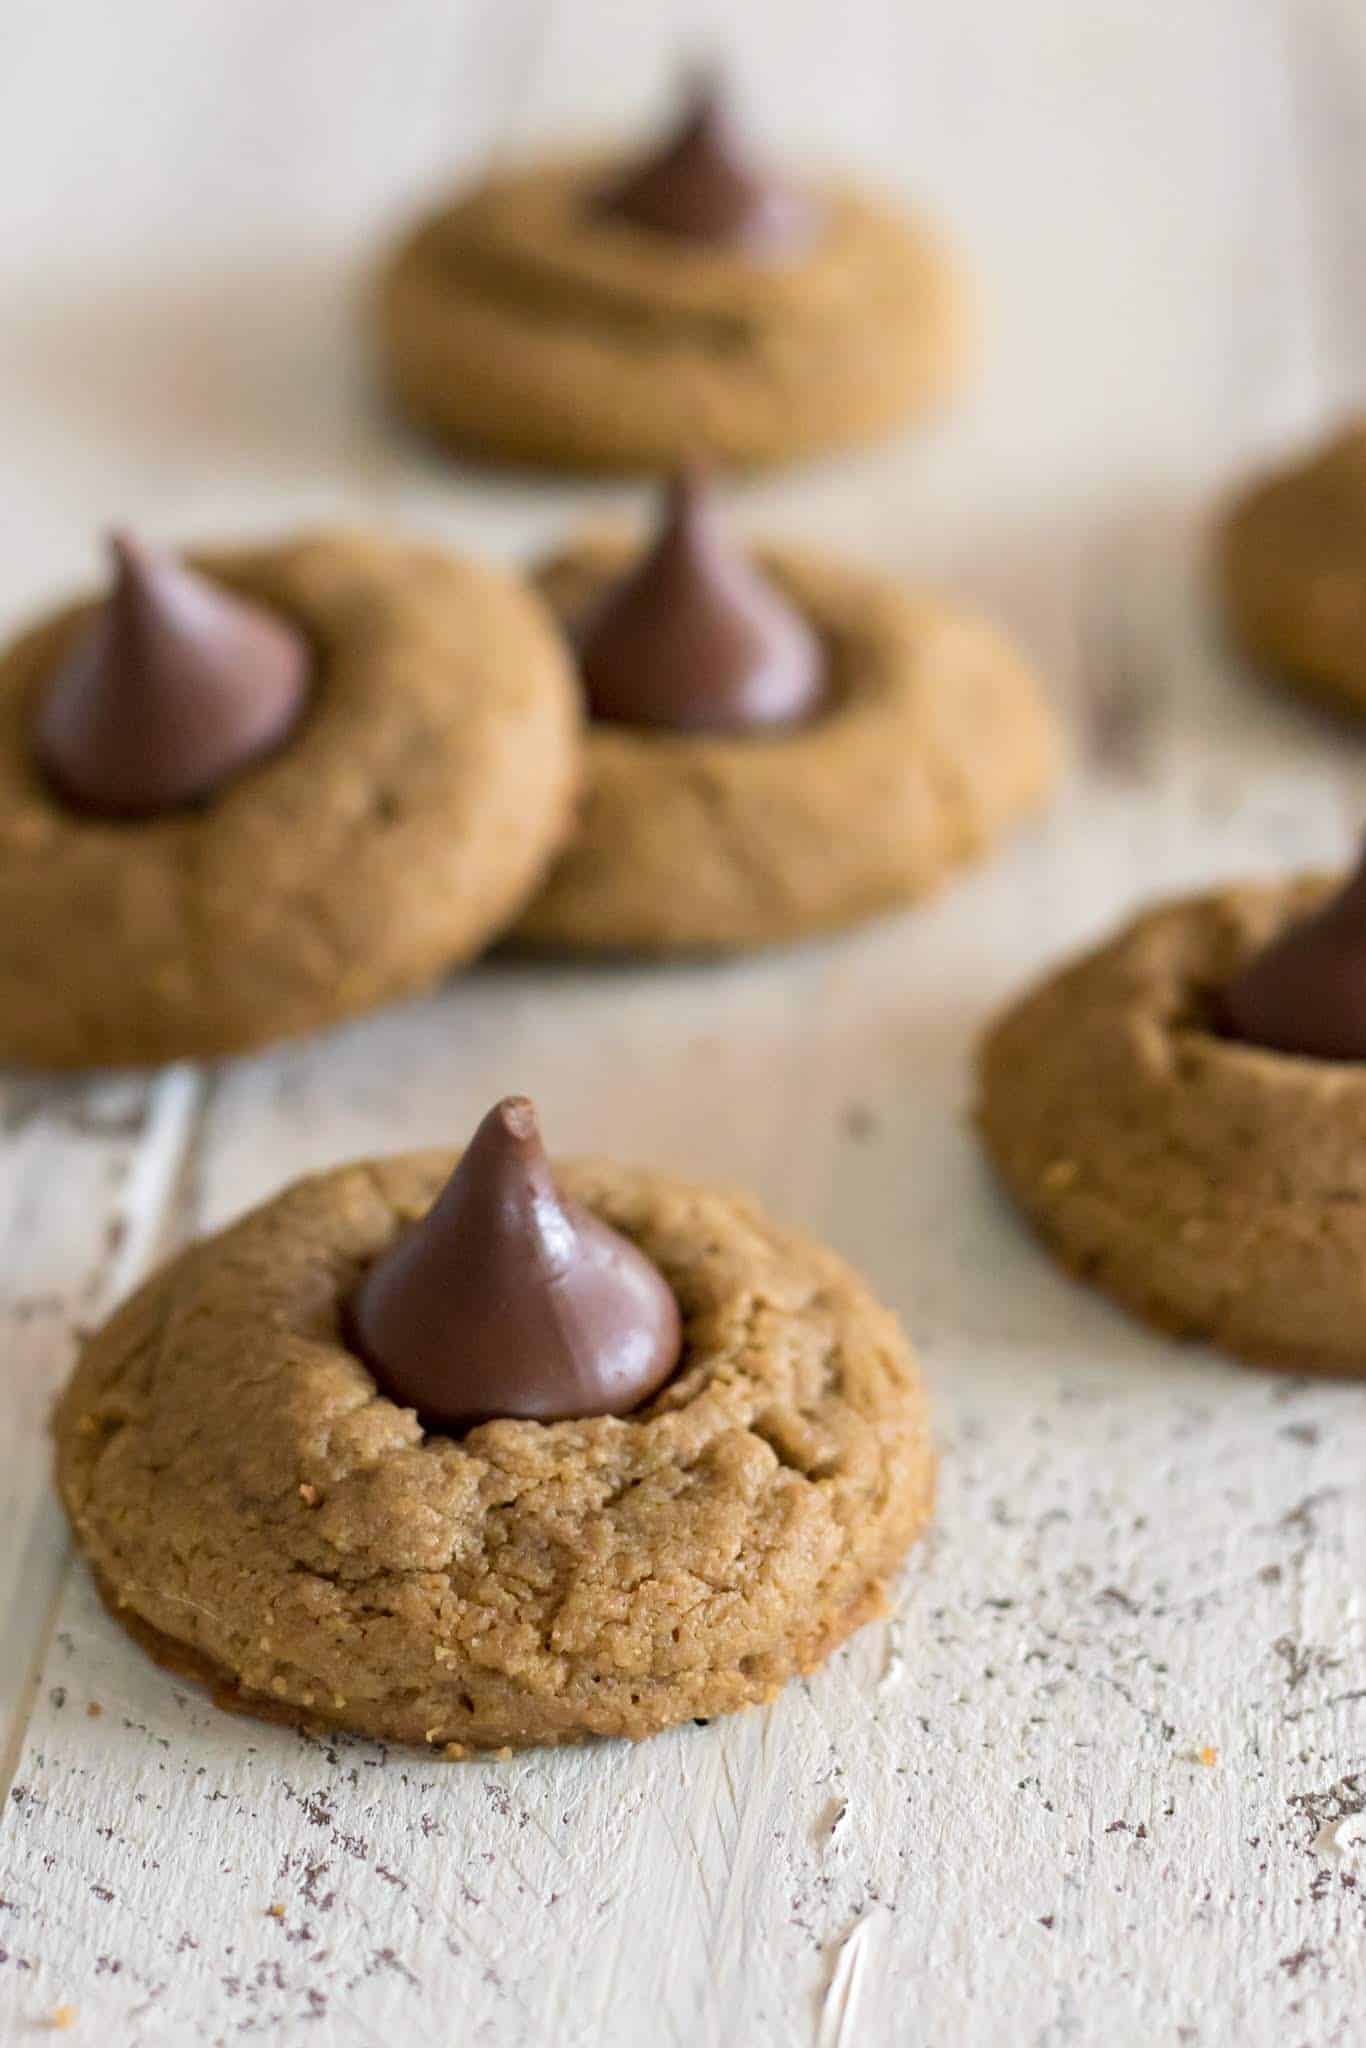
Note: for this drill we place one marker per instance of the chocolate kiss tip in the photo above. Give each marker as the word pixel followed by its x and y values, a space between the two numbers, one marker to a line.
pixel 701 184
pixel 128 551
pixel 1305 992
pixel 694 639
pixel 175 686
pixel 517 1115
pixel 507 1299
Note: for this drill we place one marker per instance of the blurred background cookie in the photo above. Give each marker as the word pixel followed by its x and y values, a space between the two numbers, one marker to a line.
pixel 1291 561
pixel 621 312
pixel 1182 1114
pixel 779 742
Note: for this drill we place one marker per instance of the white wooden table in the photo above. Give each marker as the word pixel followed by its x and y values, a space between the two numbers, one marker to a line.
pixel 1102 1777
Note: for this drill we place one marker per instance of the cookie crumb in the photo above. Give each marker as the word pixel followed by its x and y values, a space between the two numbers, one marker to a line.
pixel 504 1755
pixel 308 1495
pixel 831 1821
pixel 275 1912
pixel 1208 1755
pixel 62 2016
pixel 454 1752
pixel 93 1709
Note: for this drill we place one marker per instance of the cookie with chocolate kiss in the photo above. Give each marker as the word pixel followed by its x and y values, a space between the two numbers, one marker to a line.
pixel 631 308
pixel 781 742
pixel 245 795
pixel 1182 1114
pixel 274 1461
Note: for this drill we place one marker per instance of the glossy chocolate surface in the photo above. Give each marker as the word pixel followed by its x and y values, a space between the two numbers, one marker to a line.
pixel 175 686
pixel 695 639
pixel 507 1299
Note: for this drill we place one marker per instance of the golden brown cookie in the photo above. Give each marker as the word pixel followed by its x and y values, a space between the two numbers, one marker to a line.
pixel 1291 565
pixel 264 1517
pixel 1214 1187
pixel 401 826
pixel 519 322
pixel 935 741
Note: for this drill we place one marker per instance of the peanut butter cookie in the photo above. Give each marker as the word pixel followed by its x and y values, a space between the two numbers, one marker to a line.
pixel 589 315
pixel 392 825
pixel 262 1515
pixel 1213 1185
pixel 932 740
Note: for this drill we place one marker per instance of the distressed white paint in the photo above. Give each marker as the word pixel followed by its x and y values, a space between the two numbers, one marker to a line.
pixel 990 1818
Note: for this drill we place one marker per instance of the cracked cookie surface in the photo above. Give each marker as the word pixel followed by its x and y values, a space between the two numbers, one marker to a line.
pixel 517 321
pixel 934 741
pixel 1215 1188
pixel 403 823
pixel 251 1502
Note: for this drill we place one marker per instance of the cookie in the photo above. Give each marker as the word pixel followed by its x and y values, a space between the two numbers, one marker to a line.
pixel 1215 1187
pixel 932 740
pixel 1291 566
pixel 577 315
pixel 264 1516
pixel 394 823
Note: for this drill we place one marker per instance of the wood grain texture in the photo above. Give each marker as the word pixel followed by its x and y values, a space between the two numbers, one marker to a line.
pixel 1102 1773
pixel 85 1171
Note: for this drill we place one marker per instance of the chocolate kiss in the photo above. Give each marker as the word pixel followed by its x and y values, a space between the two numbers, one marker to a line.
pixel 175 686
pixel 694 639
pixel 1306 991
pixel 702 185
pixel 506 1299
